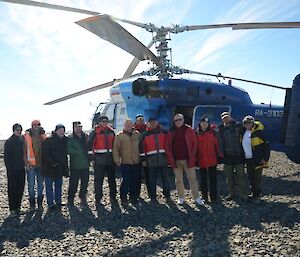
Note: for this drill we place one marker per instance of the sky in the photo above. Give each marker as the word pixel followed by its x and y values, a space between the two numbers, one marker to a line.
pixel 45 55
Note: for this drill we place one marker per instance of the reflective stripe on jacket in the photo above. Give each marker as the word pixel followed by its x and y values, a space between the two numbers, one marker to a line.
pixel 29 148
pixel 154 147
pixel 103 140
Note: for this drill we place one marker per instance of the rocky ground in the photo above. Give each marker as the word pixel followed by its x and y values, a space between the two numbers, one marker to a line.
pixel 271 228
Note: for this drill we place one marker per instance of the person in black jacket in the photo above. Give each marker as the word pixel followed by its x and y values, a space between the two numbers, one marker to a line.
pixel 14 150
pixel 54 165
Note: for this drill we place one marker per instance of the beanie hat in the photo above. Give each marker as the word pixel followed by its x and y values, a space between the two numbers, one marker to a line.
pixel 248 119
pixel 76 123
pixel 36 122
pixel 139 115
pixel 17 126
pixel 224 115
pixel 204 118
pixel 59 126
pixel 101 118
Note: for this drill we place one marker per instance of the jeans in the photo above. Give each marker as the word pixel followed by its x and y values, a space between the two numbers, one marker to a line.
pixel 212 181
pixel 153 173
pixel 53 193
pixel 34 175
pixel 15 183
pixel 129 181
pixel 75 176
pixel 99 173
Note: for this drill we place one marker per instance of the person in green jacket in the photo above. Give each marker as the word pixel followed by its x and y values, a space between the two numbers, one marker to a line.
pixel 79 163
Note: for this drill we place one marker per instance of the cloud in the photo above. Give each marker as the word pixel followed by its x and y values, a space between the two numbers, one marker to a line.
pixel 243 11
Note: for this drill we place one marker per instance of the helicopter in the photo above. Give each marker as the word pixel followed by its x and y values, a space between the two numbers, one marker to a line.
pixel 157 93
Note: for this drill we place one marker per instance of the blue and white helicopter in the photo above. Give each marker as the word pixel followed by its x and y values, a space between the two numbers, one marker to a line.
pixel 165 95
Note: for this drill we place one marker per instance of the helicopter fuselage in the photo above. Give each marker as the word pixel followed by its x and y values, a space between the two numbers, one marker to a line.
pixel 163 98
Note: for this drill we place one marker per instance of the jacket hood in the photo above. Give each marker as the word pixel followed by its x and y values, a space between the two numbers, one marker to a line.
pixel 42 131
pixel 258 126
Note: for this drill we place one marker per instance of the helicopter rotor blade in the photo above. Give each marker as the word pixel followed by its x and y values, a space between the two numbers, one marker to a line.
pixel 233 78
pixel 106 28
pixel 135 62
pixel 76 10
pixel 239 26
pixel 89 90
pixel 50 6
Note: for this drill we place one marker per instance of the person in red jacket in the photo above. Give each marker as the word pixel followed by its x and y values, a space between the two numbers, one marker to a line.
pixel 153 142
pixel 208 153
pixel 181 148
pixel 100 147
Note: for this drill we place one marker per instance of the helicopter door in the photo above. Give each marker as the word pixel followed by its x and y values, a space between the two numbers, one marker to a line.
pixel 213 113
pixel 120 116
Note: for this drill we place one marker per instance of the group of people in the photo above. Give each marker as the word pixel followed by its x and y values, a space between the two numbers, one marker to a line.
pixel 140 148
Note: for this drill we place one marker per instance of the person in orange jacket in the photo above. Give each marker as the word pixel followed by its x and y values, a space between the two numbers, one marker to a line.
pixel 34 138
pixel 208 153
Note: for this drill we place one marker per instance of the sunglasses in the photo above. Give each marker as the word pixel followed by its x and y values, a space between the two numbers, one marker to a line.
pixel 18 130
pixel 178 120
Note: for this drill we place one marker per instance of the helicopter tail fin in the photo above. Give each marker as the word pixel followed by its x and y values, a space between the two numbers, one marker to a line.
pixel 292 133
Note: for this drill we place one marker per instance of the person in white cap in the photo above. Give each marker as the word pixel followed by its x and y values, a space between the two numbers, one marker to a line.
pixel 257 152
pixel 233 157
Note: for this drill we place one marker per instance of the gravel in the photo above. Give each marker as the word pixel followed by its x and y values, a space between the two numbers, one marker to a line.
pixel 271 228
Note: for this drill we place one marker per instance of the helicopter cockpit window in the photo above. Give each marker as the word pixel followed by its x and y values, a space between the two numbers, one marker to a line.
pixel 110 112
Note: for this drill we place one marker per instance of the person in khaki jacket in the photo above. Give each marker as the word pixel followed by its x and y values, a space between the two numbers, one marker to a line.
pixel 126 156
